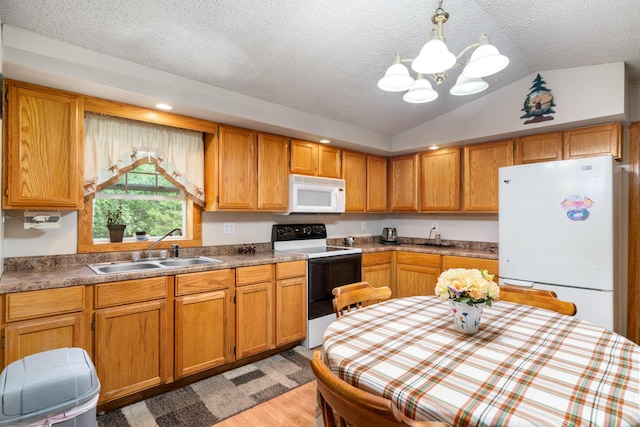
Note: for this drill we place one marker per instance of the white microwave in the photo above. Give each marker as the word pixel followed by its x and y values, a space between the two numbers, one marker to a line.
pixel 310 194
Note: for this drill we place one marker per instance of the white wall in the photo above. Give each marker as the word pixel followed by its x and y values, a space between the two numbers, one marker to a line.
pixel 472 227
pixel 583 95
pixel 20 242
pixel 256 228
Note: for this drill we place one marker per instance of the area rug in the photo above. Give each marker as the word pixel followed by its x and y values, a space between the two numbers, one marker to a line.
pixel 214 399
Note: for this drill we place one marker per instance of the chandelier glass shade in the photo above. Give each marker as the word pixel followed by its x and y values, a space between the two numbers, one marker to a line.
pixel 420 91
pixel 436 59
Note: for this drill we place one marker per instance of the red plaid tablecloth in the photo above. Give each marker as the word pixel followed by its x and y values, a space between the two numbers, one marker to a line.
pixel 525 366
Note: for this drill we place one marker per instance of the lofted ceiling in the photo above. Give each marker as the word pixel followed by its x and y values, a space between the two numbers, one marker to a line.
pixel 324 57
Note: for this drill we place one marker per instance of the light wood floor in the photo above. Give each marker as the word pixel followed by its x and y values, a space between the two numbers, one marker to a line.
pixel 294 408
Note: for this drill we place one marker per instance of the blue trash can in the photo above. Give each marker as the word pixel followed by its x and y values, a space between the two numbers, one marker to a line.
pixel 58 387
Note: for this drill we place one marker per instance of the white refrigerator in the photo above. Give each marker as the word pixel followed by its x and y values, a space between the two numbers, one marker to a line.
pixel 562 227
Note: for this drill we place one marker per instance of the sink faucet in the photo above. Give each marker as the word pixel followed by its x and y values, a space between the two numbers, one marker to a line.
pixel 162 238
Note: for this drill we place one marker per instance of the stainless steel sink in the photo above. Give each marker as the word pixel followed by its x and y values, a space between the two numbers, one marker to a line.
pixel 128 267
pixel 185 262
pixel 442 244
pixel 123 267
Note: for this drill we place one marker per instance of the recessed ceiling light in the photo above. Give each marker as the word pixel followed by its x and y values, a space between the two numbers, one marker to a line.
pixel 433 147
pixel 164 106
pixel 325 141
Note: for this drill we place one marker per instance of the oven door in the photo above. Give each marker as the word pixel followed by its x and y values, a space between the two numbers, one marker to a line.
pixel 326 273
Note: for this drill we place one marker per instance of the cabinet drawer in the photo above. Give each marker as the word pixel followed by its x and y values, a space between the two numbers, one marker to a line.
pixel 376 258
pixel 254 274
pixel 423 260
pixel 285 270
pixel 48 302
pixel 202 282
pixel 117 293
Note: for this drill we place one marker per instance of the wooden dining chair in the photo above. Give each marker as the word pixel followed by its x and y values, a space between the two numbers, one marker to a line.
pixel 537 298
pixel 340 401
pixel 357 295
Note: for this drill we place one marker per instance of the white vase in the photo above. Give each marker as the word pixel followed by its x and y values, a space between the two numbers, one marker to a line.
pixel 466 318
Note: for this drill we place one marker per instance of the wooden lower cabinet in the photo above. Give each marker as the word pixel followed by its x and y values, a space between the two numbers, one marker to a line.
pixel 42 320
pixel 491 265
pixel 203 321
pixel 416 274
pixel 33 336
pixel 147 331
pixel 377 270
pixel 132 330
pixel 291 302
pixel 254 310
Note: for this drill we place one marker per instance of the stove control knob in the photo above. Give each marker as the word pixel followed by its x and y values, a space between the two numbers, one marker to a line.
pixel 306 230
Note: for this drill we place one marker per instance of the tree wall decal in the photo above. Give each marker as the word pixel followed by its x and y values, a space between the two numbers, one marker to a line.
pixel 538 102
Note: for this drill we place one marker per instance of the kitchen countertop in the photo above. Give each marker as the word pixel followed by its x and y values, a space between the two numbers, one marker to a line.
pixel 55 273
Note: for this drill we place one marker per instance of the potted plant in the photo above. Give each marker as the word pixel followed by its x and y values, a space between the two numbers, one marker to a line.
pixel 141 235
pixel 114 223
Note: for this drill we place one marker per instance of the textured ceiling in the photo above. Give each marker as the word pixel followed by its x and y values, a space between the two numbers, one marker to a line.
pixel 325 57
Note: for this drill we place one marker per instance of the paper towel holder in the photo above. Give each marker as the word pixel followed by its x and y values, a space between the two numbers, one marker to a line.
pixel 42 219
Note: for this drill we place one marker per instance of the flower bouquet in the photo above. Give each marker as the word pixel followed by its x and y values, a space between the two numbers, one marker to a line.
pixel 467 286
pixel 468 290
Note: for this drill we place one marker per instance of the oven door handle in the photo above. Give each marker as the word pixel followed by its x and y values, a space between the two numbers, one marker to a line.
pixel 334 258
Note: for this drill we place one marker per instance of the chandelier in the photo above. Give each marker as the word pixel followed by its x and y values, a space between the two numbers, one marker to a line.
pixel 435 59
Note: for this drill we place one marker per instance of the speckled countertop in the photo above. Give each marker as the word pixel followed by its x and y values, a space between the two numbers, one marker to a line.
pixel 34 273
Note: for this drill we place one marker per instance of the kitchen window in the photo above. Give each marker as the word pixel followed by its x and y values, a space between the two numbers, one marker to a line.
pixel 155 172
pixel 150 203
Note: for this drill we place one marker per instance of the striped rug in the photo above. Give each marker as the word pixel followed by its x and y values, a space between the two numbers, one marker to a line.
pixel 214 399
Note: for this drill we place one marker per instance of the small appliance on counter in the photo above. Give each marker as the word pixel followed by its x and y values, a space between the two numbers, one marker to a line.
pixel 389 236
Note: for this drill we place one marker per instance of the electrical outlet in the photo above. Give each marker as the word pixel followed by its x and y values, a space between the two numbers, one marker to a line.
pixel 363 225
pixel 229 228
pixel 434 226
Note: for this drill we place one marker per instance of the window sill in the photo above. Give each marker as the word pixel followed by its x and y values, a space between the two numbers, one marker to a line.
pixel 137 245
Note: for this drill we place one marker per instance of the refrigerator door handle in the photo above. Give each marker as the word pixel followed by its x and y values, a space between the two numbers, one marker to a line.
pixel 515 282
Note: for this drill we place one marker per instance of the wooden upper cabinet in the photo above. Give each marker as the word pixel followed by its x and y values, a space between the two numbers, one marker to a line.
pixel 237 165
pixel 440 180
pixel 354 173
pixel 404 176
pixel 593 141
pixel 304 157
pixel 481 164
pixel 43 160
pixel 376 184
pixel 366 182
pixel 329 161
pixel 273 169
pixel 545 147
pixel 309 158
pixel 571 144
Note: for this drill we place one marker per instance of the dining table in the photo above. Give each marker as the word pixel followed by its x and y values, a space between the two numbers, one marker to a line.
pixel 525 366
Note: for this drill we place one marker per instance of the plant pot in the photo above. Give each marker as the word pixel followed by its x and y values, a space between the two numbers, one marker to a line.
pixel 466 318
pixel 116 232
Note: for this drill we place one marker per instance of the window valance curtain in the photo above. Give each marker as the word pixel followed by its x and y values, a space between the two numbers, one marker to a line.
pixel 114 146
